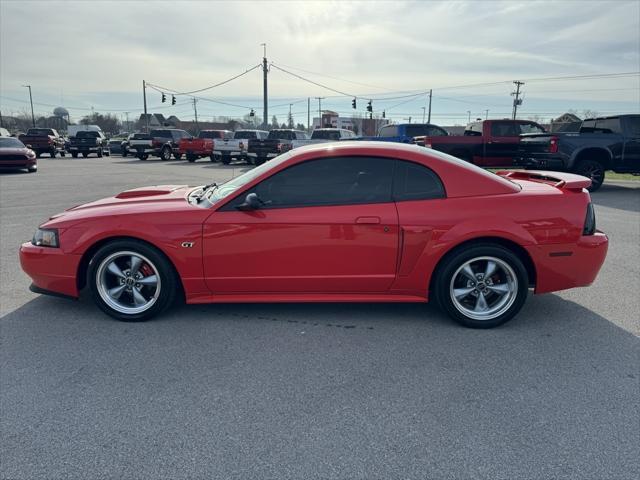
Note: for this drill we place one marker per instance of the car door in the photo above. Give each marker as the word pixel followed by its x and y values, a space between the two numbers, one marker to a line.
pixel 326 226
pixel 502 145
pixel 631 155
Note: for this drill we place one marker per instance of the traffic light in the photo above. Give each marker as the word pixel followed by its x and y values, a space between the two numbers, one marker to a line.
pixel 384 115
pixel 164 98
pixel 252 113
pixel 173 99
pixel 353 103
pixel 369 107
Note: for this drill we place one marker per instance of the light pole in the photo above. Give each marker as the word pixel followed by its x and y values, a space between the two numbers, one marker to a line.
pixel 486 114
pixel 320 111
pixel 33 117
pixel 469 113
pixel 424 110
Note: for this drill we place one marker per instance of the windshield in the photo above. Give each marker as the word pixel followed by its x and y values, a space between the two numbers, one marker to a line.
pixel 232 185
pixel 244 135
pixel 325 135
pixel 39 131
pixel 87 134
pixel 11 143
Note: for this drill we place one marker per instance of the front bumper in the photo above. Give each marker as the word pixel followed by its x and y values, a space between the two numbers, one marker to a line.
pixel 563 266
pixel 51 269
pixel 26 163
pixel 84 149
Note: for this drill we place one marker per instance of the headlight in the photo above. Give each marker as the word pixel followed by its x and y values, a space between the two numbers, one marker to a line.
pixel 45 237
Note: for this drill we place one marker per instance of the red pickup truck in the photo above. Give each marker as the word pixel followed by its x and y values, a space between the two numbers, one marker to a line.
pixel 194 148
pixel 43 140
pixel 486 143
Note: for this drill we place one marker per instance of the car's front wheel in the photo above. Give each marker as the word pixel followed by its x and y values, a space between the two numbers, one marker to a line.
pixel 481 286
pixel 131 281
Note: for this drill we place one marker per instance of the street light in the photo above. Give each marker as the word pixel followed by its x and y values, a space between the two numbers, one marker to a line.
pixel 33 117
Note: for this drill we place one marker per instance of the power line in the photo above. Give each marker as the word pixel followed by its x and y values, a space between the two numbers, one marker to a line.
pixel 151 85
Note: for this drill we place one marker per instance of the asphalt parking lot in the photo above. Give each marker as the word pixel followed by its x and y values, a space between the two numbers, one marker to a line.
pixel 311 391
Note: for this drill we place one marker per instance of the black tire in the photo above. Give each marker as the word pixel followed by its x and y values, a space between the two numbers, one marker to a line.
pixel 191 158
pixel 53 153
pixel 165 154
pixel 226 159
pixel 260 160
pixel 177 156
pixel 99 153
pixel 591 169
pixel 33 169
pixel 63 153
pixel 213 158
pixel 124 154
pixel 74 154
pixel 85 154
pixel 38 154
pixel 169 282
pixel 452 263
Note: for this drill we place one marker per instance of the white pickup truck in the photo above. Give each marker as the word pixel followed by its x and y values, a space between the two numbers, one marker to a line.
pixel 324 135
pixel 237 146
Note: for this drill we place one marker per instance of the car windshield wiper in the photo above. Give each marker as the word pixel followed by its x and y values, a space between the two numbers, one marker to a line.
pixel 204 191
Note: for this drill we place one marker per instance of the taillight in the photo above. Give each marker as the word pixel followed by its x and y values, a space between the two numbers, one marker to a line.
pixel 589 221
pixel 241 145
pixel 553 145
pixel 156 143
pixel 280 147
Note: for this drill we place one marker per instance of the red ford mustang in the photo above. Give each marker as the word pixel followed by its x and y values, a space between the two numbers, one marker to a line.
pixel 341 222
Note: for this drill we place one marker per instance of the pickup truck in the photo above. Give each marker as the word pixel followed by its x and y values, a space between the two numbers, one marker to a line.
pixel 202 146
pixel 86 142
pixel 44 140
pixel 603 143
pixel 486 143
pixel 237 146
pixel 406 132
pixel 162 142
pixel 324 135
pixel 277 142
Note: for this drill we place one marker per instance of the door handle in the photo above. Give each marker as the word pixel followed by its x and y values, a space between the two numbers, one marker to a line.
pixel 368 220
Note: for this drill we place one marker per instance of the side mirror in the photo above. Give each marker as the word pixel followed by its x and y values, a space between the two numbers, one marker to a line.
pixel 29 146
pixel 251 202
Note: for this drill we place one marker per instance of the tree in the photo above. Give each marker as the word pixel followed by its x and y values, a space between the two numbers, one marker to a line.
pixel 274 122
pixel 108 123
pixel 300 126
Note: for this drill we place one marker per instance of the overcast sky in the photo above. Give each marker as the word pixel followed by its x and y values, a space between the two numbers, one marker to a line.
pixel 96 54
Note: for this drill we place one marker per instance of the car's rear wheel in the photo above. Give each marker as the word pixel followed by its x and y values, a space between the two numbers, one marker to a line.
pixel 53 153
pixel 99 153
pixel 226 159
pixel 481 286
pixel 74 155
pixel 124 153
pixel 212 157
pixel 177 156
pixel 131 281
pixel 260 160
pixel 191 158
pixel 85 154
pixel 591 169
pixel 63 153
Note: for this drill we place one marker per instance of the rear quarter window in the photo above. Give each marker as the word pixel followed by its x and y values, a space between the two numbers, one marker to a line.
pixel 413 181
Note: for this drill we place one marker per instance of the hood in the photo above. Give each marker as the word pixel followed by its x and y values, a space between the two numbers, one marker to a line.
pixel 142 200
pixel 15 151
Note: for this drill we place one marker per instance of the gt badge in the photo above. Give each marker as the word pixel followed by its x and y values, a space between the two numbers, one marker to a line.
pixel 187 244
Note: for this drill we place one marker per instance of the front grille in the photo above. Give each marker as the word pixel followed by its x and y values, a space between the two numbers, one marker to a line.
pixel 13 157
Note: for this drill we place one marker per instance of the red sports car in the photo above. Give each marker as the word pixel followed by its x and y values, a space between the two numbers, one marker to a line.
pixel 14 154
pixel 341 222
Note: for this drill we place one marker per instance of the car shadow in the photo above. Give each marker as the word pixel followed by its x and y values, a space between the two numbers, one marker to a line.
pixel 619 196
pixel 12 171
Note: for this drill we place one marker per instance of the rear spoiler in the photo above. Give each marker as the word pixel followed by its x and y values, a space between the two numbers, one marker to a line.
pixel 562 180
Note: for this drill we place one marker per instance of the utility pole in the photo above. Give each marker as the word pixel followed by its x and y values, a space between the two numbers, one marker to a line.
pixel 430 96
pixel 0 119
pixel 195 110
pixel 127 115
pixel 308 114
pixel 264 86
pixel 144 98
pixel 33 117
pixel 319 111
pixel 517 100
pixel 486 114
pixel 424 109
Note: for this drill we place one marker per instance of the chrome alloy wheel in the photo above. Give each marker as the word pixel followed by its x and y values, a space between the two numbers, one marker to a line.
pixel 483 288
pixel 128 282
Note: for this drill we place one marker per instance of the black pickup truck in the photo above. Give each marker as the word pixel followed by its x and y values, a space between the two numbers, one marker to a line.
pixel 603 143
pixel 277 142
pixel 86 142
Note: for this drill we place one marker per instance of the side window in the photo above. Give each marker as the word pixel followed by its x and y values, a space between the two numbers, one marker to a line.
pixel 504 129
pixel 328 181
pixel 610 125
pixel 530 128
pixel 416 182
pixel 633 126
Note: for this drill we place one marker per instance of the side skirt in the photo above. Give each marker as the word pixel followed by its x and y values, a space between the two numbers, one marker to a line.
pixel 306 298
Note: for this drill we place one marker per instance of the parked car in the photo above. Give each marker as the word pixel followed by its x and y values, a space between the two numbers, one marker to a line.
pixel 324 135
pixel 44 140
pixel 349 221
pixel 72 130
pixel 238 145
pixel 277 142
pixel 15 155
pixel 194 148
pixel 87 142
pixel 162 142
pixel 604 143
pixel 487 143
pixel 114 144
pixel 4 132
pixel 125 145
pixel 406 132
